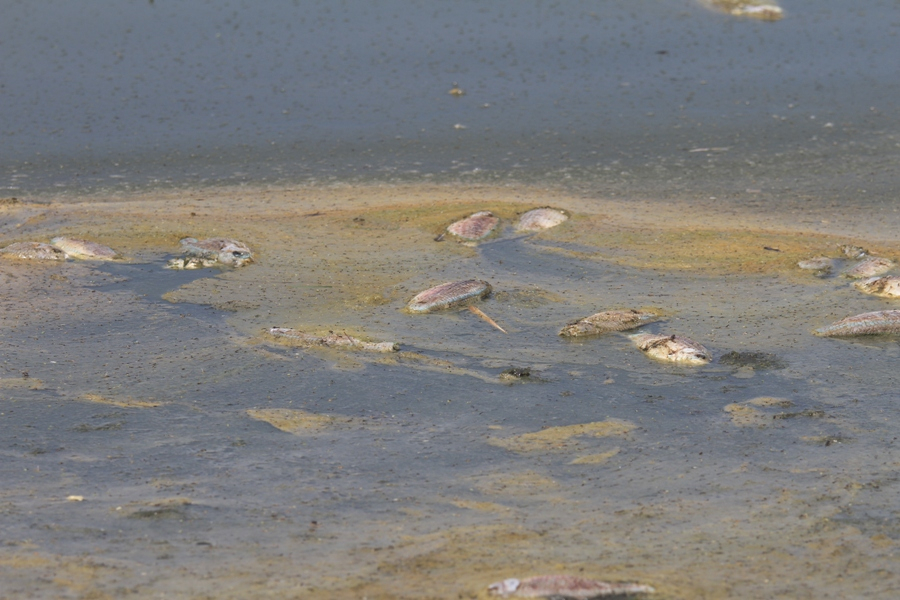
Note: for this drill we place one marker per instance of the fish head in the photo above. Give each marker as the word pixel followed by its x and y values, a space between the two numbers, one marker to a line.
pixel 505 587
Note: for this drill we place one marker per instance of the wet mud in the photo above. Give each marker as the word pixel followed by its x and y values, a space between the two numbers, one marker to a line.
pixel 157 442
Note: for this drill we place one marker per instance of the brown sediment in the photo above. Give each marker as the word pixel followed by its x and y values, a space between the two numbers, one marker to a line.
pixel 27 383
pixel 300 421
pixel 595 459
pixel 558 438
pixel 330 340
pixel 125 402
pixel 746 413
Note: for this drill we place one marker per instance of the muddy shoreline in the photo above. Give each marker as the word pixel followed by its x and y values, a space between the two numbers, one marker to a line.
pixel 213 462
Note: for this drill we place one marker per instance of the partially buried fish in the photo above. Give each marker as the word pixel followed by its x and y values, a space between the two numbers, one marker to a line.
pixel 211 252
pixel 886 287
pixel 84 249
pixel 607 321
pixel 475 227
pixel 332 340
pixel 672 347
pixel 33 251
pixel 870 323
pixel 869 267
pixel 450 294
pixel 560 587
pixel 540 219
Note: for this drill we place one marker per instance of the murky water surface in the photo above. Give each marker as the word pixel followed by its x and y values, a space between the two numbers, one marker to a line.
pixel 157 442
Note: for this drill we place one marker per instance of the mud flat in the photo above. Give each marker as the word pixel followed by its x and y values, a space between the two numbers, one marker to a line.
pixel 157 443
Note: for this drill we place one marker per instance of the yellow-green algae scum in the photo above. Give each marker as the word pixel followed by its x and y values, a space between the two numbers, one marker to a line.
pixel 348 258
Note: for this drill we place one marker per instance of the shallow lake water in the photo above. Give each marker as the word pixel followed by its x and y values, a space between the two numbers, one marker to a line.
pixel 158 443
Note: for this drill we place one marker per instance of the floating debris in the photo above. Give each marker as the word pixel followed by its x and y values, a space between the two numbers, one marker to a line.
pixel 211 252
pixel 564 587
pixel 332 340
pixel 765 11
pixel 85 249
pixel 607 321
pixel 672 347
pixel 446 295
pixel 870 267
pixel 34 251
pixel 475 227
pixel 818 263
pixel 870 323
pixel 540 219
pixel 457 91
pixel 886 287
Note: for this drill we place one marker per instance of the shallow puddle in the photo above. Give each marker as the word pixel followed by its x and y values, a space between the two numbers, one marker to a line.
pixel 211 460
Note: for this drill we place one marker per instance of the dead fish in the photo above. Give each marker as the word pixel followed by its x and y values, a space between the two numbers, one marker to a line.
pixel 870 267
pixel 85 249
pixel 672 347
pixel 853 252
pixel 34 251
pixel 610 320
pixel 818 263
pixel 886 287
pixel 540 219
pixel 563 587
pixel 871 323
pixel 332 340
pixel 765 11
pixel 211 252
pixel 474 227
pixel 446 295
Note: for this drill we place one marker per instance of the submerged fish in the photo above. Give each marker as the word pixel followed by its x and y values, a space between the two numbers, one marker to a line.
pixel 332 340
pixel 211 252
pixel 540 219
pixel 475 227
pixel 818 263
pixel 34 251
pixel 610 320
pixel 672 347
pixel 84 249
pixel 563 587
pixel 869 267
pixel 446 295
pixel 886 287
pixel 871 323
pixel 765 11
